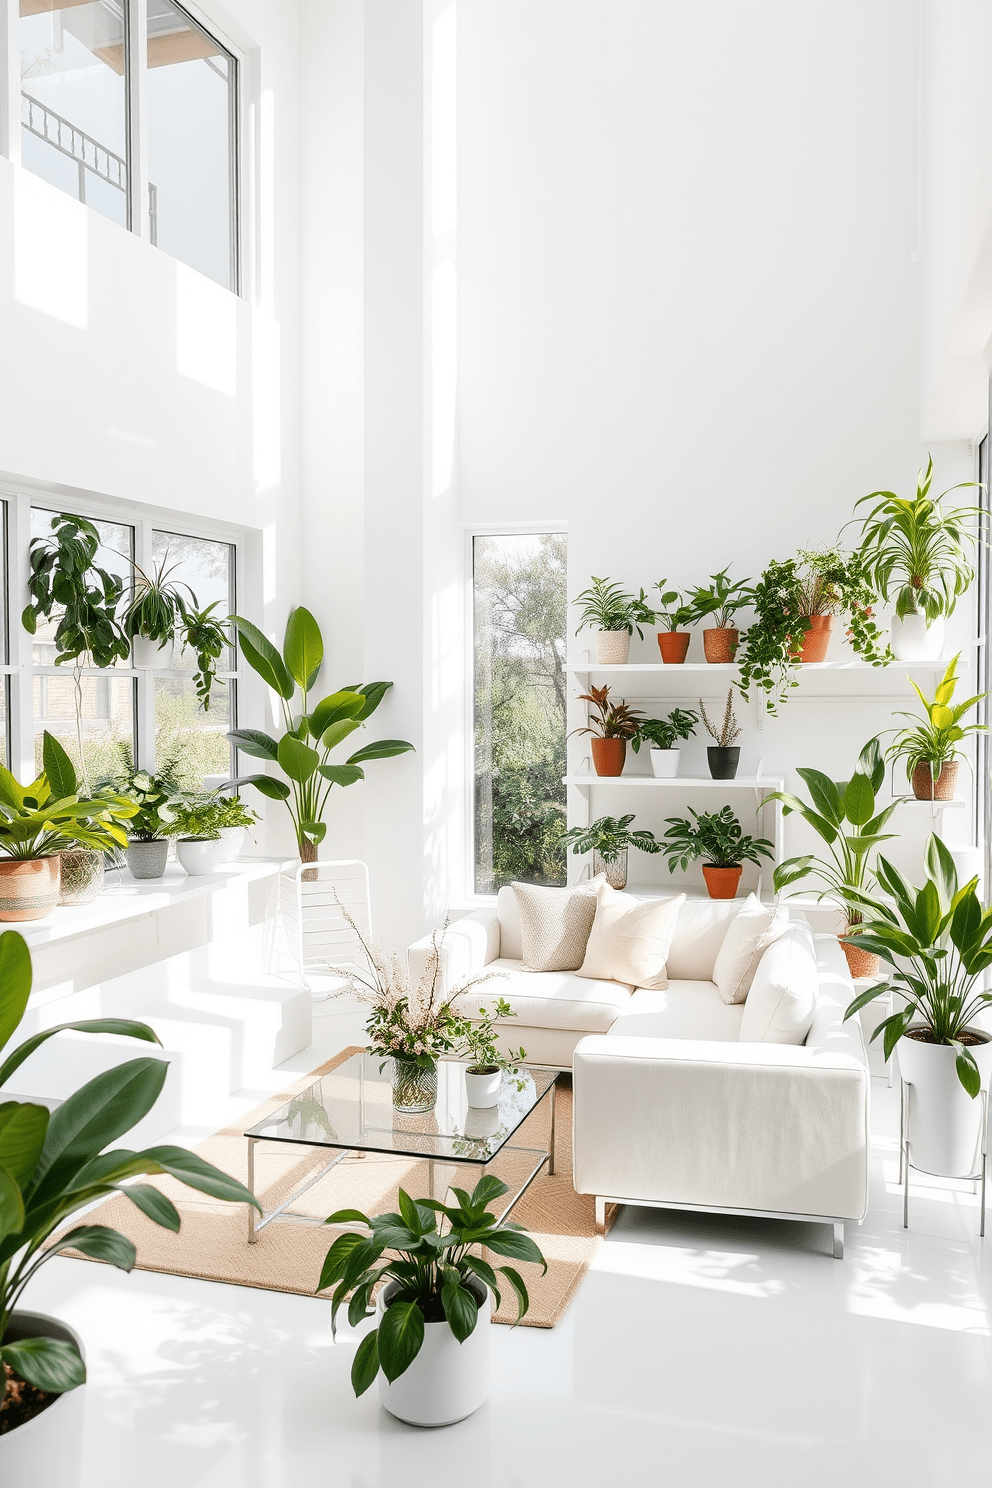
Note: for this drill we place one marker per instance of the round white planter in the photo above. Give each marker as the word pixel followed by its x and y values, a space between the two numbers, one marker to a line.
pixel 201 856
pixel 944 1122
pixel 48 1448
pixel 612 647
pixel 483 1090
pixel 151 656
pixel 665 762
pixel 233 839
pixel 914 640
pixel 447 1380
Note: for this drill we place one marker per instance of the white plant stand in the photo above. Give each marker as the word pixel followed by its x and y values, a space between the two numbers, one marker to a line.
pixel 906 1163
pixel 313 898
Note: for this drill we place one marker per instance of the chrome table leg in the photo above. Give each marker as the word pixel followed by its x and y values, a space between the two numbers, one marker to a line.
pixel 252 1237
pixel 551 1138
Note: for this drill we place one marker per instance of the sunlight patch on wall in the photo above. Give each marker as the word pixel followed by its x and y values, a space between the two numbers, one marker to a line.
pixel 51 251
pixel 206 332
pixel 266 407
pixel 269 563
pixel 444 376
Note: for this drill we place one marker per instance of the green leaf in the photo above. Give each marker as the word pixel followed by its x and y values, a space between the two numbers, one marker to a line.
pixel 941 868
pixel 411 1217
pixel 153 1204
pixel 297 759
pixel 254 742
pixel 373 693
pixel 11 1206
pixel 348 1216
pixel 58 767
pixel 94 1116
pixel 335 733
pixel 268 785
pixel 15 982
pixel 382 749
pixel 461 1308
pixel 50 1364
pixel 967 1070
pixel 121 1026
pixel 348 703
pixel 337 1258
pixel 177 1162
pixel 365 1366
pixel 22 1136
pixel 825 795
pixel 303 647
pixel 516 1245
pixel 316 831
pixel 859 800
pixel 100 1243
pixel 341 774
pixel 488 1188
pixel 401 1335
pixel 263 657
pixel 517 1283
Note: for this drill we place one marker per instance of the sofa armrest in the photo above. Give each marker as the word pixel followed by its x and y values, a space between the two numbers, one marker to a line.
pixel 469 945
pixel 771 1127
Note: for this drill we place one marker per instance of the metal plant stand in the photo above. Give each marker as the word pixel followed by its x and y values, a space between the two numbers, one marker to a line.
pixel 905 1162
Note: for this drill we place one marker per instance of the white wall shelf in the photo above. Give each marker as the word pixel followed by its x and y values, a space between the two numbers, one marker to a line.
pixel 656 668
pixel 687 782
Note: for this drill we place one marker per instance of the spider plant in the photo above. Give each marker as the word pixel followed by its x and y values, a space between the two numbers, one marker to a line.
pixel 156 604
pixel 607 606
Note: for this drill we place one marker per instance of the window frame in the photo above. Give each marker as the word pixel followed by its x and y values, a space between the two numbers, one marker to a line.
pixel 135 72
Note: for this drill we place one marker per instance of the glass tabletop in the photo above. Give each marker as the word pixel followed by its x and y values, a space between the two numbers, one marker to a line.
pixel 352 1107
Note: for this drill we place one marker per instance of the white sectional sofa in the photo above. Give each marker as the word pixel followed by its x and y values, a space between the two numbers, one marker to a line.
pixel 680 1099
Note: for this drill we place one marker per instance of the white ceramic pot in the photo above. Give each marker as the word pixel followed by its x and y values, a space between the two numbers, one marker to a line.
pixel 447 1380
pixel 944 1122
pixel 151 656
pixel 612 647
pixel 914 640
pixel 201 855
pixel 665 762
pixel 48 1448
pixel 233 839
pixel 483 1090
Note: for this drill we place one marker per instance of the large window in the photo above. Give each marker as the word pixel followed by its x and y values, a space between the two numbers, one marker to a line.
pixel 520 601
pixel 91 100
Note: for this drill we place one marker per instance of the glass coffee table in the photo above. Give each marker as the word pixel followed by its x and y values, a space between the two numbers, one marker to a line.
pixel 350 1110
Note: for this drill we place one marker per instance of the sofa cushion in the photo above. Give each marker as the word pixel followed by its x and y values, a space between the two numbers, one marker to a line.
pixel 509 925
pixel 547 999
pixel 699 932
pixel 630 938
pixel 690 1010
pixel 748 936
pixel 780 1005
pixel 555 924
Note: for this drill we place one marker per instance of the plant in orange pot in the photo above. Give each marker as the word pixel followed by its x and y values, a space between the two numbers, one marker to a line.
pixel 676 613
pixel 717 838
pixel 721 599
pixel 611 725
pixel 930 747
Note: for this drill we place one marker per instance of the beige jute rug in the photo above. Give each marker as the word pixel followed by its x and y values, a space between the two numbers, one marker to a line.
pixel 212 1244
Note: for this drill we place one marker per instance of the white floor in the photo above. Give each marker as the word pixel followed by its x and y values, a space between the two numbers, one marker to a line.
pixel 697 1352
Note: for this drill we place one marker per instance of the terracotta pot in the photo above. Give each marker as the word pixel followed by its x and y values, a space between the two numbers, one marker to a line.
pixel 612 647
pixel 608 756
pixel 814 647
pixel 720 644
pixel 721 883
pixel 673 645
pixel 935 785
pixel 860 963
pixel 28 890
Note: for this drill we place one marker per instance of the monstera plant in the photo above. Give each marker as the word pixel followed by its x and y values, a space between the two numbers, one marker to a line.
pixel 312 731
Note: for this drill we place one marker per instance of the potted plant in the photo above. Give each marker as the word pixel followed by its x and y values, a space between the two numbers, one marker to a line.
pixel 724 756
pixel 208 637
pixel 233 820
pixel 156 799
pixel 930 747
pixel 54 1165
pixel 608 609
pixel 938 941
pixel 479 1041
pixel 196 823
pixel 721 599
pixel 717 838
pixel 922 555
pixel 661 734
pixel 608 839
pixel 844 815
pixel 676 613
pixel 431 1340
pixel 302 755
pixel 82 867
pixel 611 725
pixel 38 823
pixel 152 614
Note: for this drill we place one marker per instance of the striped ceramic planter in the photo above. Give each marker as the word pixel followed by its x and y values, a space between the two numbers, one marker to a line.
pixel 29 890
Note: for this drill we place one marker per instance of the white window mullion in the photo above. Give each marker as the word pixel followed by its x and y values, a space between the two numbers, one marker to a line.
pixel 10 81
pixel 21 643
pixel 145 684
pixel 137 118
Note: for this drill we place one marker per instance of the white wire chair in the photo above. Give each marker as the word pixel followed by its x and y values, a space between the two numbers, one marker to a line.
pixel 312 901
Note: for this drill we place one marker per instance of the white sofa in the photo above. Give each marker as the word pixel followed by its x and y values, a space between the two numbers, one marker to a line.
pixel 671 1109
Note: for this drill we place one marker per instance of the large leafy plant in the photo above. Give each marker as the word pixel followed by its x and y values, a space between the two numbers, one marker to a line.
pixel 610 836
pixel 938 940
pixel 160 608
pixel 46 817
pixel 845 817
pixel 66 582
pixel 439 1274
pixel 54 1164
pixel 714 836
pixel 607 606
pixel 934 739
pixel 155 799
pixel 303 752
pixel 662 733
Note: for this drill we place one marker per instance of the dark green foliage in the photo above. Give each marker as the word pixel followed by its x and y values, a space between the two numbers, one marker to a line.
pixel 714 836
pixel 64 578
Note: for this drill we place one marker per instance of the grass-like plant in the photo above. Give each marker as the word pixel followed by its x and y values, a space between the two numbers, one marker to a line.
pixel 715 836
pixel 662 733
pixel 607 606
pixel 609 836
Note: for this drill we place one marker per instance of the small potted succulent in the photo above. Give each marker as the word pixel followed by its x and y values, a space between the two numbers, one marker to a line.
pixel 930 747
pixel 721 599
pixel 724 756
pixel 430 1345
pixel 608 839
pixel 717 838
pixel 661 734
pixel 479 1040
pixel 611 725
pixel 614 614
pixel 676 613
pixel 921 554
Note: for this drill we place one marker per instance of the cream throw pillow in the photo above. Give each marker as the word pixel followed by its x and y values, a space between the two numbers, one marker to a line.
pixel 750 933
pixel 555 924
pixel 630 939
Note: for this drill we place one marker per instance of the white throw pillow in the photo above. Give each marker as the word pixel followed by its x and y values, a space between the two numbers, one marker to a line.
pixel 780 1005
pixel 749 935
pixel 555 924
pixel 630 939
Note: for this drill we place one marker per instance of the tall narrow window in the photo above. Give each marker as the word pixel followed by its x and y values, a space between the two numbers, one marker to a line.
pixel 983 802
pixel 520 601
pixel 190 92
pixel 73 116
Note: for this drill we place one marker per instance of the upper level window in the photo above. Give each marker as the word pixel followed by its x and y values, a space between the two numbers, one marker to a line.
pixel 78 70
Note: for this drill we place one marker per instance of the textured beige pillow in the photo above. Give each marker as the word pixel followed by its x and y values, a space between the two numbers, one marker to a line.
pixel 555 924
pixel 750 933
pixel 630 939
